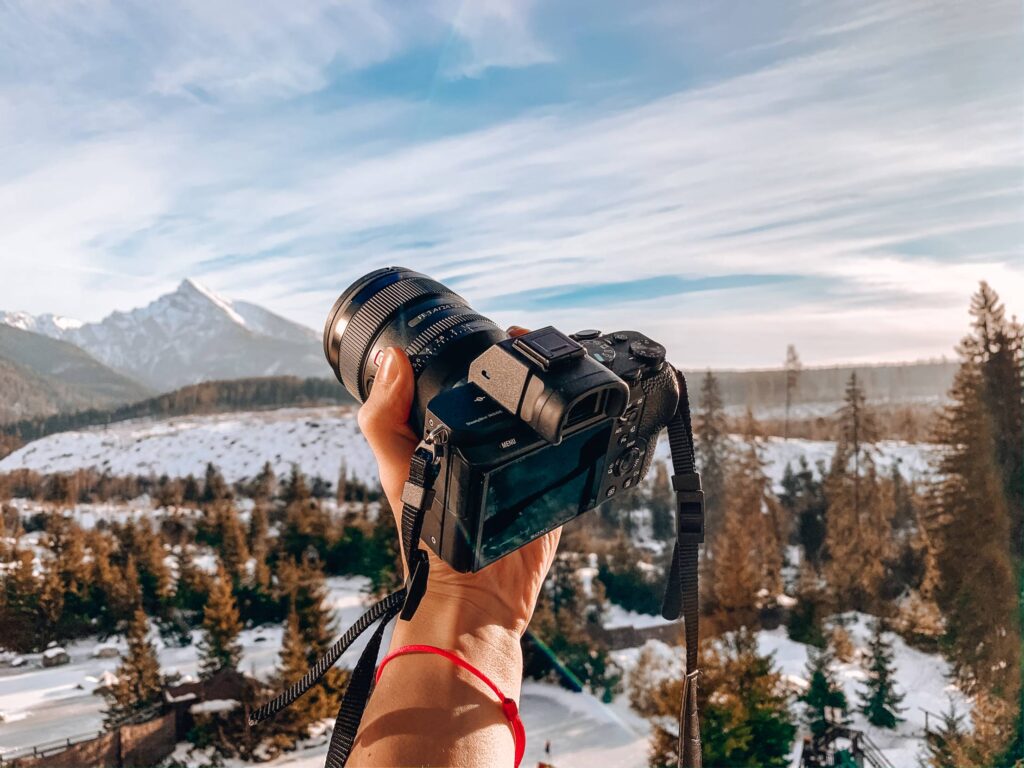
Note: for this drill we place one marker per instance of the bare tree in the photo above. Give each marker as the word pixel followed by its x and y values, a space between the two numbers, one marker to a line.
pixel 792 381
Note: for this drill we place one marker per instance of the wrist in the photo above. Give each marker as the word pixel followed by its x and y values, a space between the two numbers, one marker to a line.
pixel 457 625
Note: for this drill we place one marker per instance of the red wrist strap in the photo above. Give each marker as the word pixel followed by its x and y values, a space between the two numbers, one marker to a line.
pixel 508 706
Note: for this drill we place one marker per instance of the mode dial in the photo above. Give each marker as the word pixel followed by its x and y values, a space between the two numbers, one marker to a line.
pixel 647 352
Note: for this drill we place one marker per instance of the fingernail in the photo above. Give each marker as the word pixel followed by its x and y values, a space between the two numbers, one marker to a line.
pixel 389 368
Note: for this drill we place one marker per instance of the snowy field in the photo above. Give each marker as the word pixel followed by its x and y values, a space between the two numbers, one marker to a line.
pixel 318 440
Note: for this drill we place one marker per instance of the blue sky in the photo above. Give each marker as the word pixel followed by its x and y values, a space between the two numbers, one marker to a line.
pixel 728 177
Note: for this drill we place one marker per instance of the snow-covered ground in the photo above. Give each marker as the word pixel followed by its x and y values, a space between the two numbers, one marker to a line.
pixel 43 704
pixel 319 440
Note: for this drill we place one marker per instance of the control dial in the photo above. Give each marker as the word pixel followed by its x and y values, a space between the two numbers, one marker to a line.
pixel 628 461
pixel 647 352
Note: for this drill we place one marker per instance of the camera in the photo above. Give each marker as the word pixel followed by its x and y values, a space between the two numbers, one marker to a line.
pixel 532 430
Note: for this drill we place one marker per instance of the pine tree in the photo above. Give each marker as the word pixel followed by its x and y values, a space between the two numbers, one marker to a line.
pixel 880 701
pixel 306 593
pixel 51 602
pixel 858 537
pixel 265 484
pixel 747 562
pixel 944 744
pixel 103 581
pixel 823 693
pixel 21 604
pixel 295 488
pixel 971 523
pixel 792 381
pixel 233 550
pixel 742 698
pixel 292 723
pixel 219 649
pixel 191 492
pixel 712 445
pixel 259 527
pixel 138 684
pixel 154 575
pixel 214 486
pixel 192 587
pixel 803 497
pixel 996 346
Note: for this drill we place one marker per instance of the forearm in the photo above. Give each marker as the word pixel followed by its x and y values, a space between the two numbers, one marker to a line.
pixel 428 711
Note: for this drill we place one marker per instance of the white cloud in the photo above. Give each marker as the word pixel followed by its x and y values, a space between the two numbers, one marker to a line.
pixel 824 165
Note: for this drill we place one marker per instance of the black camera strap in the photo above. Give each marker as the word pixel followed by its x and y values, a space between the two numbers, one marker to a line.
pixel 681 591
pixel 680 595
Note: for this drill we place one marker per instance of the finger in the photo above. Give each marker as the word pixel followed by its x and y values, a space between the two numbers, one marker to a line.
pixel 516 330
pixel 384 420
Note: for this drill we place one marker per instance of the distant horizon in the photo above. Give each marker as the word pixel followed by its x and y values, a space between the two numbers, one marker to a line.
pixel 805 366
pixel 727 178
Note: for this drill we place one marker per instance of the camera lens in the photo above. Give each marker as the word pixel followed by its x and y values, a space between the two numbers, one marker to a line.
pixel 396 307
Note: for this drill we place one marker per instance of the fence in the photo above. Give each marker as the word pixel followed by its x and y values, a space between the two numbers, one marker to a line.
pixel 135 745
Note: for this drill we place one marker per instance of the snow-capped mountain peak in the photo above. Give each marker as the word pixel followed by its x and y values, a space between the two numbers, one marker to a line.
pixel 53 326
pixel 193 291
pixel 189 335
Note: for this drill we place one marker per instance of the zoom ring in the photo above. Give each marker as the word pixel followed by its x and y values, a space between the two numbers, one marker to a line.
pixel 371 316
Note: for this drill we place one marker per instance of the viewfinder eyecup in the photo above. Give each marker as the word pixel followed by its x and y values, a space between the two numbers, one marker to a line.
pixel 549 381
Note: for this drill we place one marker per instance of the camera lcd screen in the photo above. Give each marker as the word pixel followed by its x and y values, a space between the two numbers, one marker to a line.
pixel 542 490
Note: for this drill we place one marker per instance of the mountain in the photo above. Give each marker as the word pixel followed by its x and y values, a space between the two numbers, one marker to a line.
pixel 40 376
pixel 188 336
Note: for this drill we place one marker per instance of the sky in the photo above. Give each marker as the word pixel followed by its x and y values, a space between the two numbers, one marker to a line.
pixel 727 177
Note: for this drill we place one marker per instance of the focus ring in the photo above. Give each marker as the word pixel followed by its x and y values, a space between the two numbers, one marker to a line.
pixel 421 342
pixel 371 316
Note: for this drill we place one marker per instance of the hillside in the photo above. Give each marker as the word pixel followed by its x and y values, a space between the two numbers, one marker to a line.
pixel 42 376
pixel 317 439
pixel 205 398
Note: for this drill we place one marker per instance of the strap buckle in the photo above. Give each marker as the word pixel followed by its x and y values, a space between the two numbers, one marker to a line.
pixel 416 586
pixel 690 513
pixel 416 496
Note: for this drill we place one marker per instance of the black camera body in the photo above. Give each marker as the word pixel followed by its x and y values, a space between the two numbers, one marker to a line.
pixel 501 484
pixel 527 432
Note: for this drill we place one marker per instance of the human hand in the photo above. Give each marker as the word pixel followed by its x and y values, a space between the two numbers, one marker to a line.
pixel 504 593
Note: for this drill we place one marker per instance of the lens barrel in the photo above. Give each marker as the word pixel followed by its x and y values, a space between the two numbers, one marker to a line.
pixel 397 307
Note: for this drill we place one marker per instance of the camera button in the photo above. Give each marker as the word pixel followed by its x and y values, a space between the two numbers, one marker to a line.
pixel 620 337
pixel 610 492
pixel 586 333
pixel 628 482
pixel 623 439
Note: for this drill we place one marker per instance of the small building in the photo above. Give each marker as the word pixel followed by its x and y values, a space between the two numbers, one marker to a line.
pixel 55 657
